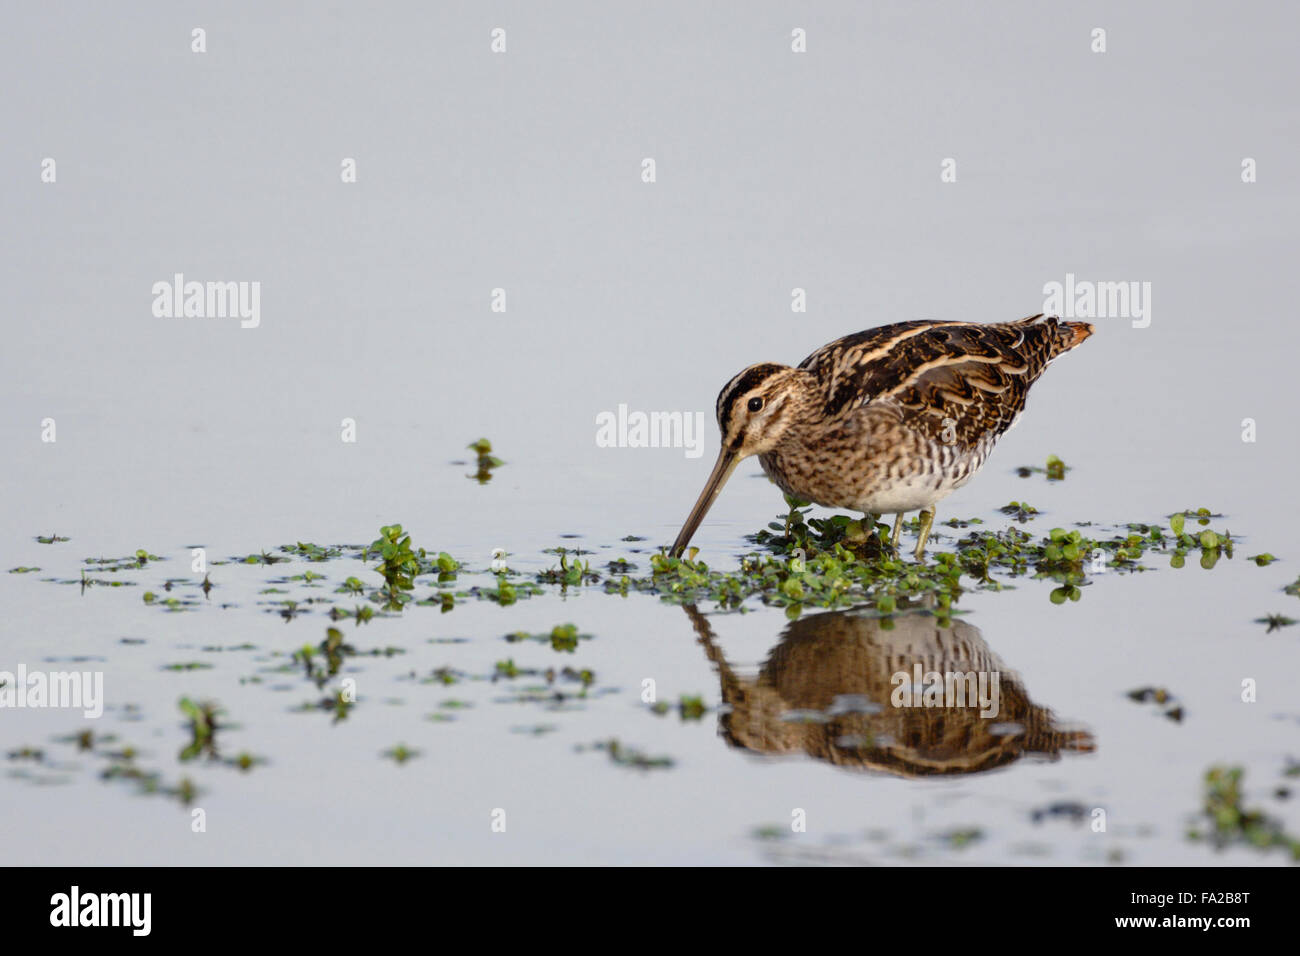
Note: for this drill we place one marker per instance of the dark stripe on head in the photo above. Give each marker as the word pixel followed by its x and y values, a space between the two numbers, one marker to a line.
pixel 738 386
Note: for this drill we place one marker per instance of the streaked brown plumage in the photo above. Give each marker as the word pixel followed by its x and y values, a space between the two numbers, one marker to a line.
pixel 886 421
pixel 824 661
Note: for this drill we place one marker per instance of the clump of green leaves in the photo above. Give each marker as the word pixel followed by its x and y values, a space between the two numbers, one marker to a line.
pixel 339 704
pixel 485 462
pixel 204 722
pixel 1055 469
pixel 398 565
pixel 569 573
pixel 1021 511
pixel 562 637
pixel 839 560
pixel 262 558
pixel 832 578
pixel 313 552
pixel 691 708
pixel 1231 823
pixel 1211 543
pixel 333 649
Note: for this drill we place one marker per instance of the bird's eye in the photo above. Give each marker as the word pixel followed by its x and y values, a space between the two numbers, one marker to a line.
pixel 755 404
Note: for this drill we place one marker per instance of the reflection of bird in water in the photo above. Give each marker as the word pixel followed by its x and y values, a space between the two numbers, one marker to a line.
pixel 889 420
pixel 836 662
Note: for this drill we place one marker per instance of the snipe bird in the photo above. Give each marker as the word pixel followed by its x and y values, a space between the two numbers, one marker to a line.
pixel 886 421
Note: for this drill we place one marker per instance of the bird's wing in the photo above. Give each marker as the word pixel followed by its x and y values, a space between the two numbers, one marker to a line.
pixel 966 380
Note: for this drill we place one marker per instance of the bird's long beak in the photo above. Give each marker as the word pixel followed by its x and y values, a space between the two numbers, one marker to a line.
pixel 726 464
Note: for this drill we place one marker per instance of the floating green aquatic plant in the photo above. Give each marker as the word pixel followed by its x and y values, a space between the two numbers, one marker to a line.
pixel 688 708
pixel 333 649
pixel 562 637
pixel 568 573
pixel 312 552
pixel 1055 469
pixel 1275 622
pixel 401 753
pixel 836 561
pixel 1161 698
pixel 204 722
pixel 485 461
pixel 1231 823
pixel 630 756
pixel 399 564
pixel 262 558
pixel 1019 510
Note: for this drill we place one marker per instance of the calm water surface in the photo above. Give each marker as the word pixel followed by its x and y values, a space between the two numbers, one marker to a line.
pixel 522 172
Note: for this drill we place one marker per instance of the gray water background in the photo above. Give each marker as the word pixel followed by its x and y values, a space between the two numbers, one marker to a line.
pixel 476 171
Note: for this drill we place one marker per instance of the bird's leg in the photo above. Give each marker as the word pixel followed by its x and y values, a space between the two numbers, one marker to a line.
pixel 927 519
pixel 898 527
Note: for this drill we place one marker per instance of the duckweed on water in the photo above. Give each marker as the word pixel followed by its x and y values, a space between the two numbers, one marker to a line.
pixel 563 637
pixel 313 552
pixel 629 756
pixel 443 676
pixel 359 614
pixel 1275 622
pixel 961 837
pixel 398 565
pixel 262 558
pixel 400 754
pixel 204 722
pixel 688 708
pixel 1055 469
pixel 568 574
pixel 333 650
pixel 1161 698
pixel 485 461
pixel 1019 510
pixel 1230 823
pixel 838 561
pixel 797 562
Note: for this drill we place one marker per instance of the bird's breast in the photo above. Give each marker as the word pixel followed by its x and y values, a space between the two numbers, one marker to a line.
pixel 882 467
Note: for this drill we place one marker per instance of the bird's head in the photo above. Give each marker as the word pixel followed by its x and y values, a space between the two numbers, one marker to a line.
pixel 756 407
pixel 754 411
